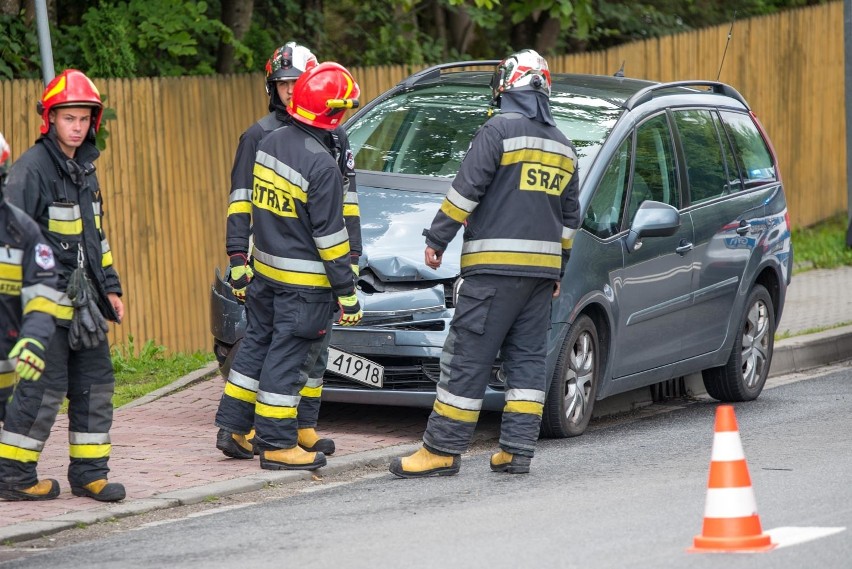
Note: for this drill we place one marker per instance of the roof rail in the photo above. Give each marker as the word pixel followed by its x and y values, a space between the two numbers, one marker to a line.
pixel 435 71
pixel 646 94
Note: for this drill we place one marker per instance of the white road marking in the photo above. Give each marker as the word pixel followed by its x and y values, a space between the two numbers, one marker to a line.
pixel 784 536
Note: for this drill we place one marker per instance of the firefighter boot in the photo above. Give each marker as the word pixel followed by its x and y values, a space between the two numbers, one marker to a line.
pixel 291 459
pixel 512 463
pixel 234 445
pixel 101 490
pixel 250 440
pixel 311 442
pixel 425 462
pixel 47 489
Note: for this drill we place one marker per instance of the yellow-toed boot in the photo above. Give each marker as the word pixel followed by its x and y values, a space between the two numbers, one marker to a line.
pixel 511 463
pixel 291 459
pixel 47 489
pixel 426 463
pixel 234 445
pixel 101 490
pixel 311 442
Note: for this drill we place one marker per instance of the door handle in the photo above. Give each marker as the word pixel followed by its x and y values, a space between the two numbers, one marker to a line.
pixel 684 248
pixel 744 228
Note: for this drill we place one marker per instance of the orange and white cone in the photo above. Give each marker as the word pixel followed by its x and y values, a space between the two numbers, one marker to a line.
pixel 731 522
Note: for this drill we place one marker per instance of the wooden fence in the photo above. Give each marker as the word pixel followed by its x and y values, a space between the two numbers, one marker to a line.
pixel 166 169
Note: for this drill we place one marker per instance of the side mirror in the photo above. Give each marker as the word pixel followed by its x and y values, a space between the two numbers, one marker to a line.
pixel 652 219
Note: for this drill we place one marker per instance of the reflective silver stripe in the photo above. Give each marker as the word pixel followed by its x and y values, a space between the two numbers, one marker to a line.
pixel 11 256
pixel 328 241
pixel 96 207
pixel 30 292
pixel 277 399
pixel 350 198
pixel 282 170
pixel 64 300
pixel 64 213
pixel 20 441
pixel 525 395
pixel 243 381
pixel 313 382
pixel 104 246
pixel 518 245
pixel 88 438
pixel 460 201
pixel 568 233
pixel 240 195
pixel 547 145
pixel 287 264
pixel 457 401
pixel 6 366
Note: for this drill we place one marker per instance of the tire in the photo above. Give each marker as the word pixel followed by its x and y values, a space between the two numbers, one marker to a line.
pixel 742 378
pixel 571 396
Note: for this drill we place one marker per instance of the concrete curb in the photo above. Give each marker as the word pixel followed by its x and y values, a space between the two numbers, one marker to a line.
pixel 801 353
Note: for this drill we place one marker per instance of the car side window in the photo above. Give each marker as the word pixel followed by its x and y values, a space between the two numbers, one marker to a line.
pixel 705 164
pixel 654 167
pixel 603 217
pixel 750 149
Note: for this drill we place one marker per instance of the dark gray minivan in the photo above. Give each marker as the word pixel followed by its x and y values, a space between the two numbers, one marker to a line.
pixel 681 264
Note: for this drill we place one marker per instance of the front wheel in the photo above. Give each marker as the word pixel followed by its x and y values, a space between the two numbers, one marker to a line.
pixel 742 378
pixel 571 397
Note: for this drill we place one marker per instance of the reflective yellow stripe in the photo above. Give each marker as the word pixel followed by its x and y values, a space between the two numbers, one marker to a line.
pixel 240 393
pixel 305 113
pixel 18 454
pixel 539 157
pixel 567 243
pixel 335 252
pixel 311 391
pixel 520 259
pixel 453 212
pixel 64 312
pixel 529 407
pixel 7 379
pixel 11 272
pixel 456 414
pixel 106 259
pixel 290 277
pixel 351 210
pixel 239 207
pixel 10 287
pixel 98 222
pixel 89 451
pixel 274 412
pixel 41 304
pixel 65 227
pixel 58 88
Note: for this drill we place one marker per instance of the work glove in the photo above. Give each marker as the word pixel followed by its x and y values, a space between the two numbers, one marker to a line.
pixel 88 326
pixel 241 275
pixel 354 262
pixel 30 354
pixel 350 310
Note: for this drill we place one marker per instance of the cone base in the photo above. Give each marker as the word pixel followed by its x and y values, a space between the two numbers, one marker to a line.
pixel 754 543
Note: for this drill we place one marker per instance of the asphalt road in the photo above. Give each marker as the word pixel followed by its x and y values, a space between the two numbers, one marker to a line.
pixel 627 494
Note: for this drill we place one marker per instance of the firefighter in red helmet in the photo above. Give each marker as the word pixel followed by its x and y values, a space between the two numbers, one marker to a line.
pixel 54 182
pixel 302 271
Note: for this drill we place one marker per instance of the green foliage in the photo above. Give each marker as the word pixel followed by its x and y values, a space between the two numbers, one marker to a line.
pixel 822 246
pixel 104 41
pixel 109 114
pixel 18 49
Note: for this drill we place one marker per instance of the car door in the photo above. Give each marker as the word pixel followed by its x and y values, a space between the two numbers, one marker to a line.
pixel 653 287
pixel 728 218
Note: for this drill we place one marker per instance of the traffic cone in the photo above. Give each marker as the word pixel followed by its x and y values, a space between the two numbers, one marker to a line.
pixel 731 522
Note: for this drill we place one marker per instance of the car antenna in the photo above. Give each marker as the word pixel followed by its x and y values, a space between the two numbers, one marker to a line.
pixel 620 72
pixel 730 31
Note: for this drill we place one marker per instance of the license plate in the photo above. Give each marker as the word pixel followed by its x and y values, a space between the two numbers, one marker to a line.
pixel 355 367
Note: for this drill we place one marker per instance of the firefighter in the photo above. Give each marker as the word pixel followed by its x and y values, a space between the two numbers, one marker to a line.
pixel 516 195
pixel 301 261
pixel 54 182
pixel 28 297
pixel 285 65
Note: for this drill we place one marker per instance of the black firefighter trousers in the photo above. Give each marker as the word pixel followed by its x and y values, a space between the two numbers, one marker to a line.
pixel 494 313
pixel 86 377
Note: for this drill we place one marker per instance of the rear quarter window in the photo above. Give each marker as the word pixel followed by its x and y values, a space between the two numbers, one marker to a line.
pixel 750 149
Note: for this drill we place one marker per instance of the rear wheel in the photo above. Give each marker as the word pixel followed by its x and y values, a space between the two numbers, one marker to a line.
pixel 742 378
pixel 571 397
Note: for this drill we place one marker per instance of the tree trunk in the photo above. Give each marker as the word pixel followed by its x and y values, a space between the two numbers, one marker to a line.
pixel 547 36
pixel 461 29
pixel 10 7
pixel 236 14
pixel 441 26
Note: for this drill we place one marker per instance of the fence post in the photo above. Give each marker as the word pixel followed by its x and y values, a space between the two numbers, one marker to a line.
pixel 847 51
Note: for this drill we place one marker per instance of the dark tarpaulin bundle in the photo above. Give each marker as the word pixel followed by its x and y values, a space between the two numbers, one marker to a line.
pixel 88 325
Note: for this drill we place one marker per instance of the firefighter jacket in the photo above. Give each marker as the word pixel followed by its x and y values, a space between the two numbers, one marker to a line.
pixel 28 295
pixel 300 239
pixel 63 196
pixel 517 195
pixel 242 176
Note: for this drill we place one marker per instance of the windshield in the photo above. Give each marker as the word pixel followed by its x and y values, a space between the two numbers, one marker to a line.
pixel 428 131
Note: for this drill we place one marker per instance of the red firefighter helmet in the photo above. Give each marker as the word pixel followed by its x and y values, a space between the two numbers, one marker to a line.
pixel 321 94
pixel 71 88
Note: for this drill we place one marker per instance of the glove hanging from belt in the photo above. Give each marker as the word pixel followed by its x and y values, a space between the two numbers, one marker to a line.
pixel 88 325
